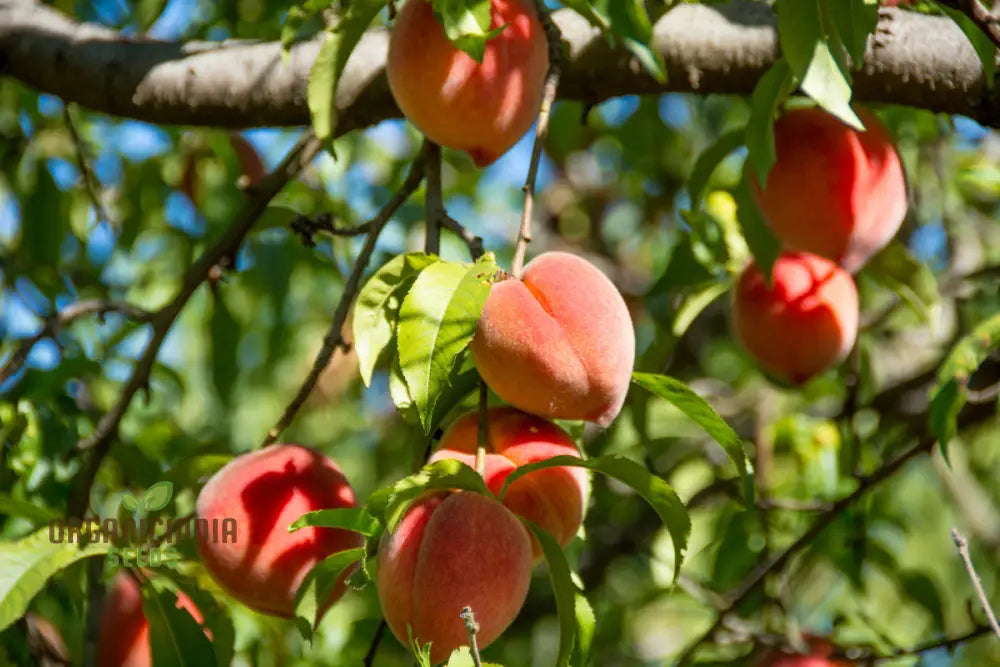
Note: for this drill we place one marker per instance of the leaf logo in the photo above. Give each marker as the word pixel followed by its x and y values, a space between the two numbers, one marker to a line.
pixel 154 499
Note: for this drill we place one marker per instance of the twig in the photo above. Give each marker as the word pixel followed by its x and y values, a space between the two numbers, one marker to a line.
pixel 334 337
pixel 99 442
pixel 963 550
pixel 64 318
pixel 90 183
pixel 373 647
pixel 947 643
pixel 549 90
pixel 474 242
pixel 483 430
pixel 979 15
pixel 307 228
pixel 435 200
pixel 472 628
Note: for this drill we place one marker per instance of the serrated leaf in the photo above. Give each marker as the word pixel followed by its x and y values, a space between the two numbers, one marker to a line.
pixel 29 563
pixel 896 269
pixel 354 519
pixel 656 491
pixel 763 244
pixel 446 474
pixel 436 322
pixel 157 496
pixel 586 626
pixel 709 160
pixel 324 75
pixel 176 639
pixel 949 393
pixel 317 586
pixel 564 589
pixel 770 92
pixel 700 412
pixel 377 308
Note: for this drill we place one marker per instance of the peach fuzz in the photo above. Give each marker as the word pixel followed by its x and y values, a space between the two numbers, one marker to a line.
pixel 833 191
pixel 123 631
pixel 265 491
pixel 453 550
pixel 481 108
pixel 559 343
pixel 553 498
pixel 804 323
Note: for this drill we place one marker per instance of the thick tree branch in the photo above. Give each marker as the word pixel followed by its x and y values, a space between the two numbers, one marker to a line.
pixel 916 60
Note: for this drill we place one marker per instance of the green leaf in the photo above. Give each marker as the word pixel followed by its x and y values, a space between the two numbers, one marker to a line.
pixel 29 563
pixel 318 585
pixel 354 519
pixel 330 62
pixel 27 509
pixel 828 85
pixel 586 625
pixel 400 393
pixel 950 392
pixel 981 43
pixel 631 24
pixel 446 474
pixel 921 589
pixel 769 93
pixel 467 24
pixel 709 159
pixel 462 657
pixel 800 28
pixel 298 16
pixel 764 246
pixel 695 302
pixel 422 654
pixel 896 269
pixel 565 592
pixel 700 412
pixel 176 639
pixel 436 322
pixel 377 307
pixel 657 492
pixel 585 9
pixel 854 21
pixel 157 496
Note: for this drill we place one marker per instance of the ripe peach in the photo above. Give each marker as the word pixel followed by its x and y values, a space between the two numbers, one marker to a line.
pixel 819 656
pixel 804 323
pixel 558 343
pixel 456 102
pixel 553 498
pixel 453 550
pixel 265 491
pixel 834 191
pixel 123 631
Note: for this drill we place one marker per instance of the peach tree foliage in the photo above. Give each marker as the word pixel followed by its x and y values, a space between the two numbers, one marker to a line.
pixel 164 302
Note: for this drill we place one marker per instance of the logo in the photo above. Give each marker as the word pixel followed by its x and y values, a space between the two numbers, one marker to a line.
pixel 137 539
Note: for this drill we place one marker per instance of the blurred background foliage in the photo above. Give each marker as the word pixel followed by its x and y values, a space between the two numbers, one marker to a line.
pixel 612 188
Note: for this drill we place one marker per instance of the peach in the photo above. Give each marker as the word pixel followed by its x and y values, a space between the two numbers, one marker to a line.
pixel 265 491
pixel 553 498
pixel 819 656
pixel 453 550
pixel 804 323
pixel 833 191
pixel 481 108
pixel 558 343
pixel 123 631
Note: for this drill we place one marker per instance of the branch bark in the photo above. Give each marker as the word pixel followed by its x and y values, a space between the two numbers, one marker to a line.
pixel 915 60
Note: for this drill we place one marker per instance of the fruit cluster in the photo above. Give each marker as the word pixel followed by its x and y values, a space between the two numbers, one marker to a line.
pixel 554 343
pixel 834 198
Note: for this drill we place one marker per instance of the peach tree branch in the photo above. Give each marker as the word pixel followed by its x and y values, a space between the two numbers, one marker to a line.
pixel 962 545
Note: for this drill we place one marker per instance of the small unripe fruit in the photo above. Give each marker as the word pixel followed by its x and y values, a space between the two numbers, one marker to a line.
pixel 481 108
pixel 801 325
pixel 264 492
pixel 834 191
pixel 123 631
pixel 559 342
pixel 453 550
pixel 553 498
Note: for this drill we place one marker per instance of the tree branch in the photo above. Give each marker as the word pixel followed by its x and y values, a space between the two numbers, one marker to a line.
pixel 97 444
pixel 917 60
pixel 434 203
pixel 334 338
pixel 962 545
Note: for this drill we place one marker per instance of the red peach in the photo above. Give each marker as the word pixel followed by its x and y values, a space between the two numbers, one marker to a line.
pixel 558 343
pixel 804 323
pixel 453 550
pixel 123 631
pixel 265 491
pixel 819 656
pixel 456 102
pixel 834 191
pixel 553 498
